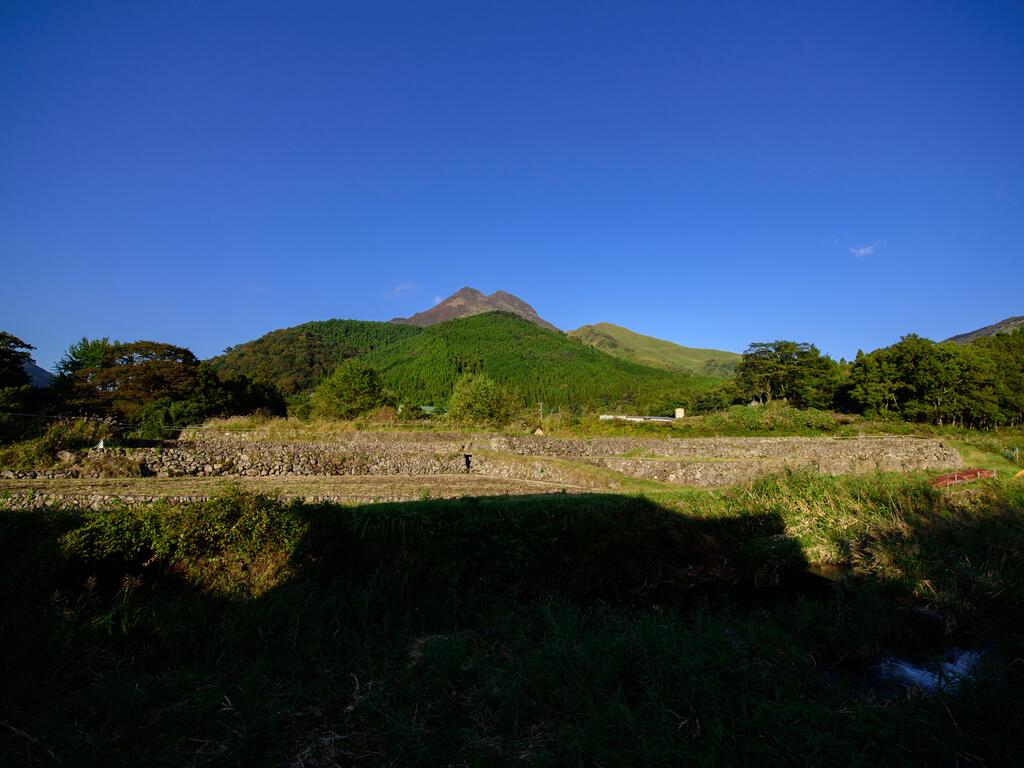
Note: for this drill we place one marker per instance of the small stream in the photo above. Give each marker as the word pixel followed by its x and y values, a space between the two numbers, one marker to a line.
pixel 944 674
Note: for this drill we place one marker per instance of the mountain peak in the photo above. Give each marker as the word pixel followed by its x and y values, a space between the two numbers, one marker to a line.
pixel 468 301
pixel 1003 326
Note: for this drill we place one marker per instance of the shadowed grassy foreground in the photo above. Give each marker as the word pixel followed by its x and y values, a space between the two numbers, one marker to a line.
pixel 557 630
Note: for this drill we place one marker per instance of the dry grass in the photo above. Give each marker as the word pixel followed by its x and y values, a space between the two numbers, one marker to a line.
pixel 291 429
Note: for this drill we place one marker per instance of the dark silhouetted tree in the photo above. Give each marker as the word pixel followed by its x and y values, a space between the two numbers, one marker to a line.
pixel 14 354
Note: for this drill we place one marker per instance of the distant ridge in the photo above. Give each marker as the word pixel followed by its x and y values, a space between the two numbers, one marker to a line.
pixel 39 378
pixel 1008 325
pixel 657 353
pixel 467 302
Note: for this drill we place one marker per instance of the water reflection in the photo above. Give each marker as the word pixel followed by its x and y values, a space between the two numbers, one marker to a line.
pixel 944 674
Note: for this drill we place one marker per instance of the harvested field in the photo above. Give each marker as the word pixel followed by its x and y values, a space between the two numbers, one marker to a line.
pixel 71 492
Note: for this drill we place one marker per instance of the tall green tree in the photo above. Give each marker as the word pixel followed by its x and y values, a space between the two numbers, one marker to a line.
pixel 873 383
pixel 1005 351
pixel 16 394
pixel 86 353
pixel 130 376
pixel 478 399
pixel 354 388
pixel 795 371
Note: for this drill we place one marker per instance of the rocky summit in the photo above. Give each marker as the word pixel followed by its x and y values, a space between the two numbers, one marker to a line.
pixel 469 301
pixel 1003 326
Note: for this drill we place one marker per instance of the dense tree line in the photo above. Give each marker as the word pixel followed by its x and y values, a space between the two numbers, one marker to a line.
pixel 149 388
pixel 154 387
pixel 342 369
pixel 980 384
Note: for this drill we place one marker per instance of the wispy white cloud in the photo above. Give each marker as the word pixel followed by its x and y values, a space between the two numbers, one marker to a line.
pixel 437 300
pixel 861 251
pixel 399 289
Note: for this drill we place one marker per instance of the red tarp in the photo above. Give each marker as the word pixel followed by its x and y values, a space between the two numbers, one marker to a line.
pixel 963 476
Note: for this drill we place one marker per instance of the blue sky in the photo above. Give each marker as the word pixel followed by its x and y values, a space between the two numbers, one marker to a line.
pixel 712 173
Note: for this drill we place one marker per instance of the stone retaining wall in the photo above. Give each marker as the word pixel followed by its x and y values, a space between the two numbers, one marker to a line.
pixel 891 451
pixel 259 460
pixel 25 502
pixel 883 452
pixel 705 474
pixel 702 461
pixel 701 447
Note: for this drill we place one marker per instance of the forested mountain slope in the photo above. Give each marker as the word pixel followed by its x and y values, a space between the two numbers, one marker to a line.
pixel 421 365
pixel 540 365
pixel 297 358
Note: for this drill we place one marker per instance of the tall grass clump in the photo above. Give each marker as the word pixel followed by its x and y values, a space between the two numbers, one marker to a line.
pixel 950 548
pixel 60 435
pixel 235 544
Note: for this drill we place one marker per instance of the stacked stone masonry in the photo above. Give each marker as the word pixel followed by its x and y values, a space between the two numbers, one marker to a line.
pixel 705 462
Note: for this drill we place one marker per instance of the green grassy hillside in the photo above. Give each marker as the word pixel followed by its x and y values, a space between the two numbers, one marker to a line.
pixel 297 358
pixel 657 353
pixel 540 365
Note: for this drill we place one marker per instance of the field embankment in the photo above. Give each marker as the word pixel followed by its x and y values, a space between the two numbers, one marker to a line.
pixel 402 465
pixel 100 493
